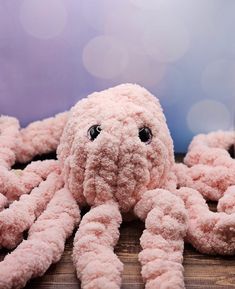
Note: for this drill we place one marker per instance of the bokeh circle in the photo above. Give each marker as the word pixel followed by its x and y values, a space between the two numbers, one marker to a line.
pixel 105 57
pixel 43 19
pixel 208 115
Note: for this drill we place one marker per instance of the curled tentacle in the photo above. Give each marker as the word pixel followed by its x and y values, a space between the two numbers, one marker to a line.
pixel 21 214
pixel 210 168
pixel 210 181
pixel 210 174
pixel 40 137
pixel 96 264
pixel 211 149
pixel 45 243
pixel 14 183
pixel 163 239
pixel 209 232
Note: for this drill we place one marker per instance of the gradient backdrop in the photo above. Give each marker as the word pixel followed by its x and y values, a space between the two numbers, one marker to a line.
pixel 55 52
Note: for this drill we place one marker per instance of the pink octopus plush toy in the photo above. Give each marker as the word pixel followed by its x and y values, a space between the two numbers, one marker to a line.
pixel 115 155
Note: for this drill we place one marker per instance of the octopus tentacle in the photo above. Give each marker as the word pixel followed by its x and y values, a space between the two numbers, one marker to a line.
pixel 209 232
pixel 211 169
pixel 209 174
pixel 96 264
pixel 14 183
pixel 40 137
pixel 211 149
pixel 45 243
pixel 163 239
pixel 21 214
pixel 210 181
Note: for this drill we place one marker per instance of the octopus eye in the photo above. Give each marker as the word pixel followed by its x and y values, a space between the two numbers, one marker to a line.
pixel 145 135
pixel 94 131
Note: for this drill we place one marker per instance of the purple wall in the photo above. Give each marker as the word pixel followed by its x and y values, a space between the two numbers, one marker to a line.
pixel 54 52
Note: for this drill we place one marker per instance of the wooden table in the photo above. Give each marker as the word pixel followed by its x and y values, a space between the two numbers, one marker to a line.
pixel 201 271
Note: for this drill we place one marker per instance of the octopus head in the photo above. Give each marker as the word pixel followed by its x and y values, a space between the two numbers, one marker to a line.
pixel 115 146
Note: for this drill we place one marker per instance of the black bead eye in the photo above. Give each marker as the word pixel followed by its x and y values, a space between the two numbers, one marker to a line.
pixel 145 135
pixel 94 131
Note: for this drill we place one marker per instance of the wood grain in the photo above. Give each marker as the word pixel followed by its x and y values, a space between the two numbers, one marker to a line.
pixel 201 271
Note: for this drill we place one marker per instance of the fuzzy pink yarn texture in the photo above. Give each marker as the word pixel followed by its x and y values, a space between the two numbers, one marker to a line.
pixel 209 171
pixel 115 155
pixel 210 168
